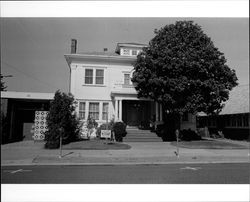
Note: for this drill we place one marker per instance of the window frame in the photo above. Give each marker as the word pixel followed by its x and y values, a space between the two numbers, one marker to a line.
pixel 85 72
pixel 105 112
pixel 126 79
pixel 82 110
pixel 94 76
pixel 98 112
pixel 125 51
pixel 134 51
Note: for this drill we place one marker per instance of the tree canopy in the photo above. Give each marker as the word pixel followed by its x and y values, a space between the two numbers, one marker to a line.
pixel 183 70
pixel 61 120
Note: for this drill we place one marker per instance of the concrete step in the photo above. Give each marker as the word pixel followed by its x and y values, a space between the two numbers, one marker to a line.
pixel 137 135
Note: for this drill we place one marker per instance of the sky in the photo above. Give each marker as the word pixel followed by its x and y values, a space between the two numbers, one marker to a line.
pixel 33 49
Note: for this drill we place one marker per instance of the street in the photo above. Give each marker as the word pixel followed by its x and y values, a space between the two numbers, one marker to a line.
pixel 215 173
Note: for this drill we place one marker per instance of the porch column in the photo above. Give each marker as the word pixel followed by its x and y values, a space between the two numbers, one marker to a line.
pixel 120 110
pixel 157 112
pixel 160 112
pixel 116 110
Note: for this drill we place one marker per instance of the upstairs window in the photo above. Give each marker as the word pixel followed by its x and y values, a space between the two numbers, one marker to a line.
pixel 94 76
pixel 99 76
pixel 134 52
pixel 126 79
pixel 88 76
pixel 126 52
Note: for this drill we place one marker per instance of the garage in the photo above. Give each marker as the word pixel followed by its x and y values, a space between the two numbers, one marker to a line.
pixel 18 114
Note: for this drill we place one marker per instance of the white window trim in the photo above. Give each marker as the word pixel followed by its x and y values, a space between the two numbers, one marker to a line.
pixel 87 105
pixel 94 76
pixel 96 102
pixel 103 111
pixel 82 110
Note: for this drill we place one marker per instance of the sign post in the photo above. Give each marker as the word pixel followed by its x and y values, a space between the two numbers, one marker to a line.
pixel 177 142
pixel 61 134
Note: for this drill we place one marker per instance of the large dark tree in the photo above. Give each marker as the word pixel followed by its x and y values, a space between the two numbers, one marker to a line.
pixel 183 70
pixel 61 120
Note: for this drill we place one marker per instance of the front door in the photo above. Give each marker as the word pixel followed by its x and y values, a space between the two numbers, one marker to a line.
pixel 136 113
pixel 132 116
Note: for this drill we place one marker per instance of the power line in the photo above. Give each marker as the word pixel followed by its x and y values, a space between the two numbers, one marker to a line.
pixel 28 75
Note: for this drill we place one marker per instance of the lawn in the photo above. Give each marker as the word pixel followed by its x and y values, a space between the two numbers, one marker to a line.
pixel 95 144
pixel 209 144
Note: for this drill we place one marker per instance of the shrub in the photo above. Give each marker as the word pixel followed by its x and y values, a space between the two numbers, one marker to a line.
pixel 166 133
pixel 189 135
pixel 61 120
pixel 119 129
pixel 91 123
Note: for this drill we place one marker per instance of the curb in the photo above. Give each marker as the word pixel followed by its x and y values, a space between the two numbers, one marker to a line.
pixel 124 163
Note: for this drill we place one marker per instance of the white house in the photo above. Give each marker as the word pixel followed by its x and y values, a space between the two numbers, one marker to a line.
pixel 101 84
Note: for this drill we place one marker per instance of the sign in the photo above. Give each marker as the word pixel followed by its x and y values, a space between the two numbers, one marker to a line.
pixel 105 133
pixel 40 125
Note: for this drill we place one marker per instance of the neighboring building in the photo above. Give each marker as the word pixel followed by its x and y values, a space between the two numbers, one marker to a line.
pixel 18 113
pixel 234 119
pixel 101 84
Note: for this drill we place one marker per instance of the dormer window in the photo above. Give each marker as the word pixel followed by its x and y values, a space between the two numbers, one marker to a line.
pixel 129 49
pixel 126 52
pixel 134 52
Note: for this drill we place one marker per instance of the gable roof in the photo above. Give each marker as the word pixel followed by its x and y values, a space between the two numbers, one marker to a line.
pixel 238 101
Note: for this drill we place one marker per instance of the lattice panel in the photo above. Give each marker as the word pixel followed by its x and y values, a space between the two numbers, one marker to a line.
pixel 40 125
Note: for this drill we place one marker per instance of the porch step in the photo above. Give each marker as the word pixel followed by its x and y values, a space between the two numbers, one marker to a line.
pixel 137 135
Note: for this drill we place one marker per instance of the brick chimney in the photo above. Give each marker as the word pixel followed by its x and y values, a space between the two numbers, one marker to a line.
pixel 73 46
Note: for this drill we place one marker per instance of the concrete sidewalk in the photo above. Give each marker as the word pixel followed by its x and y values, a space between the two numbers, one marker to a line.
pixel 33 153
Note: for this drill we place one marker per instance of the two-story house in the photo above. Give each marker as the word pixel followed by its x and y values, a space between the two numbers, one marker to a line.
pixel 101 84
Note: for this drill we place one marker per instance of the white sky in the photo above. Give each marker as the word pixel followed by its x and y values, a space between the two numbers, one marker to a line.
pixel 33 48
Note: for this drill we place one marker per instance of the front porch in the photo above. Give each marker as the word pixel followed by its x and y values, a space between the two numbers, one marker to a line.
pixel 136 112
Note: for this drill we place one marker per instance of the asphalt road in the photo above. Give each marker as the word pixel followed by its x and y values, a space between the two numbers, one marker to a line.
pixel 225 173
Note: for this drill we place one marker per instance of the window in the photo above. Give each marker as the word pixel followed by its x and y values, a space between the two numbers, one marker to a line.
pixel 228 121
pixel 105 109
pixel 126 79
pixel 134 52
pixel 82 110
pixel 233 121
pixel 94 110
pixel 88 76
pixel 94 76
pixel 126 52
pixel 239 120
pixel 245 120
pixel 99 76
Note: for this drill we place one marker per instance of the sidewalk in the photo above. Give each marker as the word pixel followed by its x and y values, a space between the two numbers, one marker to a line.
pixel 33 153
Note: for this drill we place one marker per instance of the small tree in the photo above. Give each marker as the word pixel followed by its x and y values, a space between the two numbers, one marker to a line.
pixel 183 70
pixel 61 120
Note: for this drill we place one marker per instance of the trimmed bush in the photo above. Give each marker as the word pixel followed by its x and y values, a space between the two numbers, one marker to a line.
pixel 189 135
pixel 166 133
pixel 119 129
pixel 61 120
